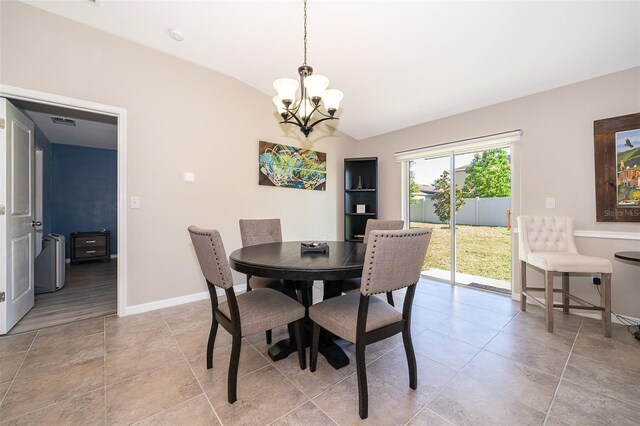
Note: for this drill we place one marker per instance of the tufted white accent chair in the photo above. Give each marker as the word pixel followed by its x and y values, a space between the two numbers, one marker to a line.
pixel 547 243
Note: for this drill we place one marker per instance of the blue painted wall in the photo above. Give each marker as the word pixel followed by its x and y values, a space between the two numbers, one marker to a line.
pixel 83 185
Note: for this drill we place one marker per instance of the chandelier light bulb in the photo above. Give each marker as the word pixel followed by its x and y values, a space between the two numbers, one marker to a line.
pixel 332 98
pixel 286 88
pixel 278 103
pixel 316 85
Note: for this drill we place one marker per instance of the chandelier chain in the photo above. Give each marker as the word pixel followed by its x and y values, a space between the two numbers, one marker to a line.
pixel 305 32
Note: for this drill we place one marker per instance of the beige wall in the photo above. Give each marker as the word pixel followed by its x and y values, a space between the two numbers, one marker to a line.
pixel 554 159
pixel 181 117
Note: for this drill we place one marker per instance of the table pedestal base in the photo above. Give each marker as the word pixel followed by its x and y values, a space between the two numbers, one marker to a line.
pixel 333 353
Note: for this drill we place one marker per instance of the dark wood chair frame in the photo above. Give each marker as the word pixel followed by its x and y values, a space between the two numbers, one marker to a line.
pixel 232 325
pixel 364 338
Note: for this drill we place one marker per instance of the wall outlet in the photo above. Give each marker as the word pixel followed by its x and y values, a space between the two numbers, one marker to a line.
pixel 134 202
pixel 550 202
pixel 188 177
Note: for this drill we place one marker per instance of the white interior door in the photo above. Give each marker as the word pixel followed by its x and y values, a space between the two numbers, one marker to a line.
pixel 17 234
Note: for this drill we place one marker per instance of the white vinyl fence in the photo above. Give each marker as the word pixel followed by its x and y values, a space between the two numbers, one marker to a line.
pixel 476 211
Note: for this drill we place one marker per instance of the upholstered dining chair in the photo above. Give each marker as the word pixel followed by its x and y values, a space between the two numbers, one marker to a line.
pixel 353 284
pixel 393 260
pixel 245 314
pixel 261 231
pixel 547 244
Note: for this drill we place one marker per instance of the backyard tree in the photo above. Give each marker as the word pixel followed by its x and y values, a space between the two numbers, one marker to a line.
pixel 488 175
pixel 414 188
pixel 442 198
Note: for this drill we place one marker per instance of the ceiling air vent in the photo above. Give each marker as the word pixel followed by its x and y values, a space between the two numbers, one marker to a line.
pixel 63 121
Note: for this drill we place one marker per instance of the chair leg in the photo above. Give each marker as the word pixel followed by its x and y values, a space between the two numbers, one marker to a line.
pixel 300 345
pixel 232 379
pixel 315 343
pixel 212 340
pixel 390 299
pixel 411 358
pixel 548 299
pixel 363 394
pixel 268 336
pixel 523 274
pixel 606 304
pixel 565 292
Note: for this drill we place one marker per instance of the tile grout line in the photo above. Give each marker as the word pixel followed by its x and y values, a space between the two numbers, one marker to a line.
pixel 192 372
pixel 19 368
pixel 301 391
pixel 555 394
pixel 457 374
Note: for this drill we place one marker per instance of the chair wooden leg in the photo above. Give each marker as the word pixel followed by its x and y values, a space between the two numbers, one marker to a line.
pixel 268 336
pixel 363 394
pixel 390 299
pixel 523 274
pixel 565 292
pixel 300 345
pixel 315 343
pixel 548 299
pixel 606 304
pixel 232 379
pixel 212 341
pixel 411 358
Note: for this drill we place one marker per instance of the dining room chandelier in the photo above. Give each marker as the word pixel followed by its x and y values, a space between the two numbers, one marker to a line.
pixel 313 94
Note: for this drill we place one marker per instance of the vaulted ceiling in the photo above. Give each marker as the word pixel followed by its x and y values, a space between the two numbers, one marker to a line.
pixel 399 63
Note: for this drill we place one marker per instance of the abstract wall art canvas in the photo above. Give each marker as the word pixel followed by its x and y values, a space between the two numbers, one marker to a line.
pixel 290 167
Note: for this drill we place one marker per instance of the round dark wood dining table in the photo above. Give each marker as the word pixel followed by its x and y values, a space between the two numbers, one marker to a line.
pixel 298 271
pixel 633 256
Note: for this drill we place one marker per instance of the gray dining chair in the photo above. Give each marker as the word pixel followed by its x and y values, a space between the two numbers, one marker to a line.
pixel 245 314
pixel 353 284
pixel 393 260
pixel 261 231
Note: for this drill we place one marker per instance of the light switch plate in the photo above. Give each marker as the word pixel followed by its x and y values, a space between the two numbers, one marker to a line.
pixel 188 177
pixel 134 202
pixel 550 202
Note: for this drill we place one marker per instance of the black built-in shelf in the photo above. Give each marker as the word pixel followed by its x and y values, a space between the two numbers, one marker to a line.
pixel 367 170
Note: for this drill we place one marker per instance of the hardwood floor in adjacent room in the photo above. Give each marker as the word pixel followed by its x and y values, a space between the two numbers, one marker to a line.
pixel 90 291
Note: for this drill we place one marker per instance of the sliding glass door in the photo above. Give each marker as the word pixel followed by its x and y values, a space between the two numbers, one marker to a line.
pixel 465 196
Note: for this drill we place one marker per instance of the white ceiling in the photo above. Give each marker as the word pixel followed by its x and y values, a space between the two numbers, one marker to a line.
pixel 91 130
pixel 399 63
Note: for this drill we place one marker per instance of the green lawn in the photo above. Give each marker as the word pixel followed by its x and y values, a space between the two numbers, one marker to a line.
pixel 481 250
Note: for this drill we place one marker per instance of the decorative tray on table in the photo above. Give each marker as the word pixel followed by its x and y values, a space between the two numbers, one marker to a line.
pixel 314 247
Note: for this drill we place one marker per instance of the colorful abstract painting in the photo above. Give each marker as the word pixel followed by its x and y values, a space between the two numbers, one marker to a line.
pixel 290 167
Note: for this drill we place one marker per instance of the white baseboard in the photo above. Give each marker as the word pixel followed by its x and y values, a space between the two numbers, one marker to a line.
pixel 175 301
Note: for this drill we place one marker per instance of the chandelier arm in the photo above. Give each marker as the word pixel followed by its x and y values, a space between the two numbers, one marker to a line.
pixel 295 116
pixel 323 119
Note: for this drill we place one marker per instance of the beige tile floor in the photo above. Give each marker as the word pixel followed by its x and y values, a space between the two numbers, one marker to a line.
pixel 480 362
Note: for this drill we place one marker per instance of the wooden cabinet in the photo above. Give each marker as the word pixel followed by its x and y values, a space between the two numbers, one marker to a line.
pixel 360 195
pixel 90 246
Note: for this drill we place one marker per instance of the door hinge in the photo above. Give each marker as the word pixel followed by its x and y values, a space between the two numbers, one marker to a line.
pixel 2 210
pixel 2 296
pixel 1 123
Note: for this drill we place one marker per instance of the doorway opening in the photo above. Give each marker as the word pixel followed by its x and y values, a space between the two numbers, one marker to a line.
pixel 463 191
pixel 76 215
pixel 80 266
